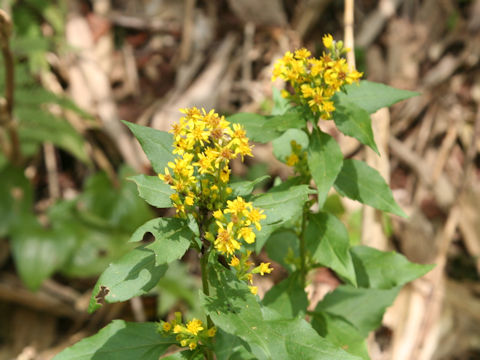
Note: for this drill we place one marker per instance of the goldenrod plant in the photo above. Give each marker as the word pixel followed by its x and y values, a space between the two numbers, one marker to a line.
pixel 225 223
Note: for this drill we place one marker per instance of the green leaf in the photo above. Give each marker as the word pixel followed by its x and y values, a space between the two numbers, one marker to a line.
pixel 93 248
pixel 284 122
pixel 157 145
pixel 325 161
pixel 287 298
pixel 282 147
pixel 16 196
pixel 384 270
pixel 153 190
pixel 266 128
pixel 360 182
pixel 254 125
pixel 172 238
pixel 281 105
pixel 341 333
pixel 120 340
pixel 38 252
pixel 281 207
pixel 363 308
pixel 236 311
pixel 178 285
pixel 283 247
pixel 354 121
pixel 372 96
pixel 327 241
pixel 36 96
pixel 231 347
pixel 132 275
pixel 245 188
pixel 41 126
pixel 119 208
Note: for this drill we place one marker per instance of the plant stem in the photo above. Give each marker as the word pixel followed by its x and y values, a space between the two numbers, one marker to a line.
pixel 204 270
pixel 7 111
pixel 303 265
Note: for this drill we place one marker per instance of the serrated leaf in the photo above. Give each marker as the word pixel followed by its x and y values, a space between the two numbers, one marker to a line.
pixel 372 96
pixel 235 310
pixel 287 298
pixel 325 160
pixel 280 208
pixel 360 182
pixel 120 340
pixel 341 333
pixel 132 275
pixel 354 121
pixel 282 147
pixel 157 145
pixel 172 238
pixel 326 239
pixel 245 188
pixel 363 308
pixel 153 190
pixel 384 270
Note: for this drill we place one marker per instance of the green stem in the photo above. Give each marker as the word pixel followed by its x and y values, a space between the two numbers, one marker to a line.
pixel 7 108
pixel 205 251
pixel 303 265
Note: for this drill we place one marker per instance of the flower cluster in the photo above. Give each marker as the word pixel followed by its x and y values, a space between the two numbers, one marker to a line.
pixel 204 143
pixel 190 334
pixel 315 81
pixel 233 224
pixel 298 157
pixel 244 272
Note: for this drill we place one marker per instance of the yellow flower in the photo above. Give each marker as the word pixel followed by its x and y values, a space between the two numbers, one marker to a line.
pixel 189 200
pixel 247 234
pixel 225 174
pixel 167 178
pixel 192 345
pixel 234 262
pixel 255 216
pixel 166 326
pixel 178 329
pixel 211 332
pixel 175 198
pixel 225 242
pixel 217 214
pixel 264 268
pixel 302 54
pixel 327 41
pixel 194 326
pixel 253 290
pixel 292 159
pixel 204 163
pixel 238 206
